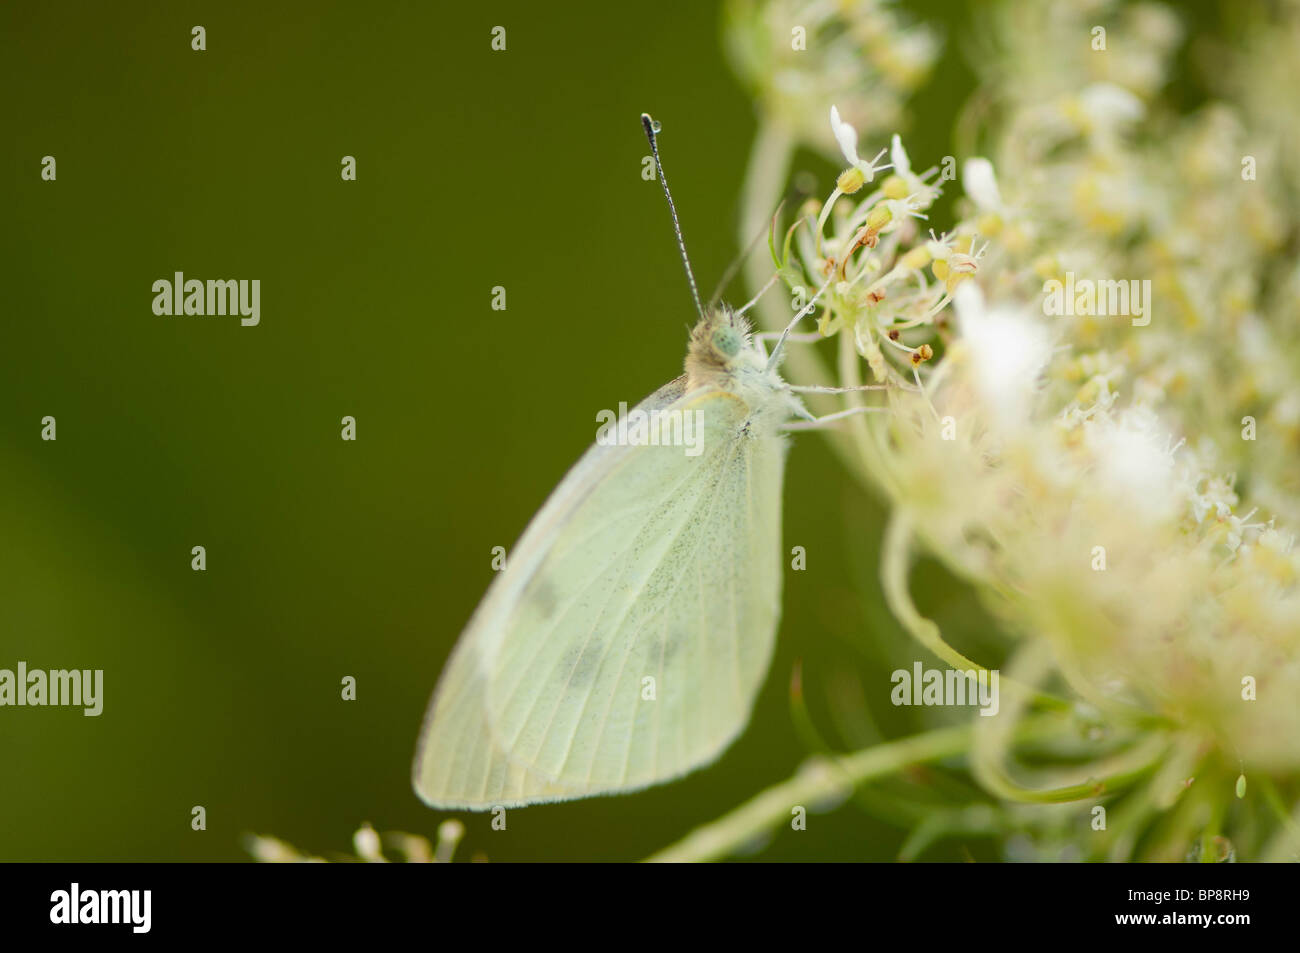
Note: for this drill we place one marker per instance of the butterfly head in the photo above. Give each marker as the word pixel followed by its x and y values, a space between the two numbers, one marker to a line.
pixel 722 352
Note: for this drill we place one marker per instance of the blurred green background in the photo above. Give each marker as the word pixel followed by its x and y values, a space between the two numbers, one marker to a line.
pixel 328 558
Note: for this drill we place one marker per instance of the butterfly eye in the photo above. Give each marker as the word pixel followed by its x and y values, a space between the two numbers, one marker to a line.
pixel 726 341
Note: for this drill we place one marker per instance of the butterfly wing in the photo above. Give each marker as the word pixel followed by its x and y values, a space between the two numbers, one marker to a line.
pixel 626 640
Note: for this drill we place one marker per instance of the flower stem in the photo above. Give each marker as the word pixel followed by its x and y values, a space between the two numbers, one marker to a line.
pixel 821 778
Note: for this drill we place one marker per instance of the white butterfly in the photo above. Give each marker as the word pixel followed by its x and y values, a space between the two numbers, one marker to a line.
pixel 626 640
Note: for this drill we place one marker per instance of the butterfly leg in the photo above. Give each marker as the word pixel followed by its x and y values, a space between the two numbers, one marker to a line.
pixel 808 338
pixel 819 423
pixel 818 389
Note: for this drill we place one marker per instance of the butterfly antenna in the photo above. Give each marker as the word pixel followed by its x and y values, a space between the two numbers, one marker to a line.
pixel 652 129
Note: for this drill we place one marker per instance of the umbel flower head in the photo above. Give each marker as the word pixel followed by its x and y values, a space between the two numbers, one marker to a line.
pixel 1097 478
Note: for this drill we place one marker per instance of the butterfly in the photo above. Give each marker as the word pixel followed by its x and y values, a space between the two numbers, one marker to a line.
pixel 627 638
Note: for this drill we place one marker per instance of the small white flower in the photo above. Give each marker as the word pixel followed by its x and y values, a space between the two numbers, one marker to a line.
pixel 981 184
pixel 366 843
pixel 1133 459
pixel 450 833
pixel 1008 351
pixel 939 246
pixel 847 137
pixel 1218 498
pixel 1106 105
pixel 900 209
pixel 898 156
pixel 916 185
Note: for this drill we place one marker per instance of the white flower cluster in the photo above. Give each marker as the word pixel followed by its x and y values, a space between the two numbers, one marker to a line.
pixel 1123 497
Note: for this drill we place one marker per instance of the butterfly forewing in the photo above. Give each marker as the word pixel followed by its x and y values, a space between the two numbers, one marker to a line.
pixel 627 638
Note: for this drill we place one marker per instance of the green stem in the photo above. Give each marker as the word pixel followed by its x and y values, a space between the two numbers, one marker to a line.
pixel 1116 774
pixel 871 463
pixel 814 781
pixel 1127 822
pixel 818 779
